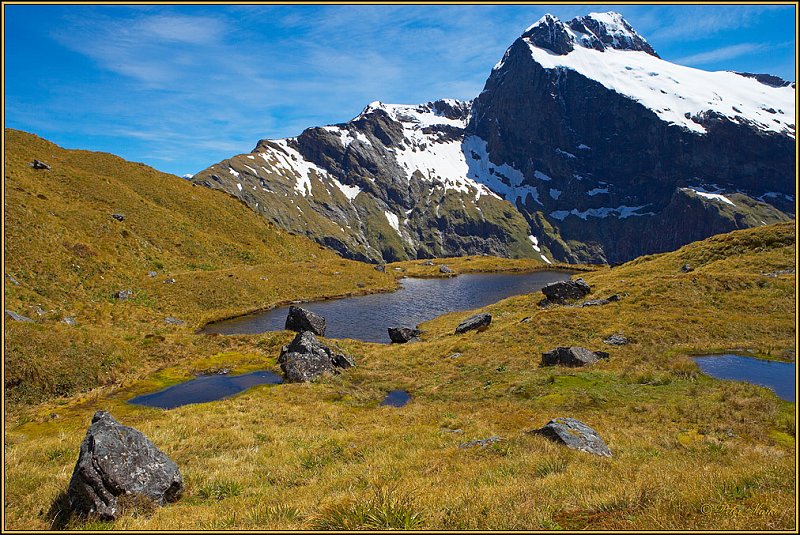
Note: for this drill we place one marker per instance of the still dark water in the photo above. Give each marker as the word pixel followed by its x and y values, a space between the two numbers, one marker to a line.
pixel 777 376
pixel 368 317
pixel 396 398
pixel 205 388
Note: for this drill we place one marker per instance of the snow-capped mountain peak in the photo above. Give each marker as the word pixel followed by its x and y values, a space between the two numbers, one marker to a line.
pixel 598 31
pixel 446 111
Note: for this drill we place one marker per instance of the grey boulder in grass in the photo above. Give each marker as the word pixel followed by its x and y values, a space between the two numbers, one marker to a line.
pixel 306 358
pixel 575 435
pixel 117 461
pixel 478 321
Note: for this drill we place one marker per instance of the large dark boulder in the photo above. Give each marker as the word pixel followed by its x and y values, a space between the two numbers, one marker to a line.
pixel 117 461
pixel 478 321
pixel 306 358
pixel 571 356
pixel 575 435
pixel 402 335
pixel 300 319
pixel 562 291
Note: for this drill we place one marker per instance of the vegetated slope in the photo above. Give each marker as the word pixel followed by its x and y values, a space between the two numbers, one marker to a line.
pixel 604 151
pixel 687 450
pixel 66 257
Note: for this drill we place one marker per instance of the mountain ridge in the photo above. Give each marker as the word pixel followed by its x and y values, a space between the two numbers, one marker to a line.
pixel 580 125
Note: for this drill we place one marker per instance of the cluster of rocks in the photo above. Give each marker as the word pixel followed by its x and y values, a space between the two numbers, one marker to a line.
pixel 564 292
pixel 306 358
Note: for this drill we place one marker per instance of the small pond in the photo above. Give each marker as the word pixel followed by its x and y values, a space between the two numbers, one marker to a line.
pixel 777 376
pixel 368 317
pixel 205 388
pixel 396 398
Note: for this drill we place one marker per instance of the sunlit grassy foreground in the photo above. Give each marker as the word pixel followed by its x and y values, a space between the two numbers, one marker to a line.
pixel 689 452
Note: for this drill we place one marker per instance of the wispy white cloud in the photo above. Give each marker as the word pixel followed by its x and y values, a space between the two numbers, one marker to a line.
pixel 722 53
pixel 703 22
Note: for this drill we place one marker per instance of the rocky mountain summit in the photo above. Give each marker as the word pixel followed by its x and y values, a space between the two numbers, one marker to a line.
pixel 584 146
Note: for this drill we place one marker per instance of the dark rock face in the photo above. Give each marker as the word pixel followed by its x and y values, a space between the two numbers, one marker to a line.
pixel 550 34
pixel 571 356
pixel 575 435
pixel 560 292
pixel 306 358
pixel 600 150
pixel 402 335
pixel 118 217
pixel 686 268
pixel 478 321
pixel 300 319
pixel 767 79
pixel 36 164
pixel 116 461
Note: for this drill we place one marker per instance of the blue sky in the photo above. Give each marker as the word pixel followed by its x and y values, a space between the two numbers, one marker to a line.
pixel 183 87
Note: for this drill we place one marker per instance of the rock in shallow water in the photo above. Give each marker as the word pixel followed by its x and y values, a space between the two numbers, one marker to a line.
pixel 116 461
pixel 300 319
pixel 478 321
pixel 575 435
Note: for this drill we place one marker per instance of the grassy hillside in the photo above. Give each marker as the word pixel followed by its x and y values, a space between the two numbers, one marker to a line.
pixel 690 452
pixel 66 256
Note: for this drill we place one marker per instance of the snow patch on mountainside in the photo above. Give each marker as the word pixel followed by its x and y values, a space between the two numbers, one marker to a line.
pixel 621 212
pixel 351 192
pixel 711 196
pixel 676 93
pixel 504 180
pixel 437 157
